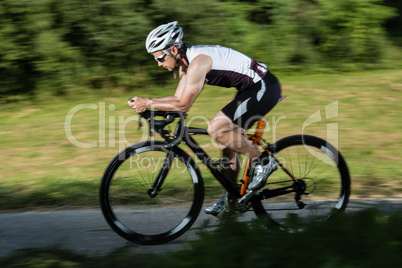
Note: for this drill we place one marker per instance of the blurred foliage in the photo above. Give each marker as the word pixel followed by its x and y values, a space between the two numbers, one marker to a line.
pixel 393 25
pixel 360 240
pixel 63 46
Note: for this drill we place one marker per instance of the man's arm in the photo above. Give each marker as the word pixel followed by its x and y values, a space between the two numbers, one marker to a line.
pixel 189 88
pixel 179 89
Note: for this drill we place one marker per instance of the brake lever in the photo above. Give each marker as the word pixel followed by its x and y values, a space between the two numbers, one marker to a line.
pixel 140 124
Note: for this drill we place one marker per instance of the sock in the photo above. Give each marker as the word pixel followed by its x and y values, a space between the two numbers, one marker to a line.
pixel 263 159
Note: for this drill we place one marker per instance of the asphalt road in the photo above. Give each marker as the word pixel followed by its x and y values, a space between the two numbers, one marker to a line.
pixel 86 231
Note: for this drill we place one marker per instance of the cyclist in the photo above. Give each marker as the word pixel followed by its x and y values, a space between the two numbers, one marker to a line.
pixel 258 91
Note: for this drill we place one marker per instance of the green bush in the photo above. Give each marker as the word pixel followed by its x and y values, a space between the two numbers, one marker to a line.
pixel 62 46
pixel 351 30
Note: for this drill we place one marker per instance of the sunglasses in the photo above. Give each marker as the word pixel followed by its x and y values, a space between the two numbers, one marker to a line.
pixel 162 57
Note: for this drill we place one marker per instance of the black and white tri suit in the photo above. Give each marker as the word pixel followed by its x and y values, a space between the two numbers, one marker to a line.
pixel 258 89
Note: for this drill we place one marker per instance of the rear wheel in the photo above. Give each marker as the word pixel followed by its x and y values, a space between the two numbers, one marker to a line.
pixel 323 188
pixel 142 215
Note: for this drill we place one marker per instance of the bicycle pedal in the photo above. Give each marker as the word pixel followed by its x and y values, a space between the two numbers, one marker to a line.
pixel 244 199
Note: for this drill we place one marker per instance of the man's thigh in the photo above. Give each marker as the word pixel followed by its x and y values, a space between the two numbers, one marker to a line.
pixel 222 123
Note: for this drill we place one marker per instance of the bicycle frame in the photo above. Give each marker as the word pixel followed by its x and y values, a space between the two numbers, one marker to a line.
pixel 217 172
pixel 207 161
pixel 183 133
pixel 134 214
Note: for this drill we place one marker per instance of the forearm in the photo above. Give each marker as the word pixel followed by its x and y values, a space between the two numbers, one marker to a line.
pixel 186 93
pixel 167 98
pixel 169 103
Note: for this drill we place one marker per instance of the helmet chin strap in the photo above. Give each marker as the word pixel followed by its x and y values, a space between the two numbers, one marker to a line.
pixel 177 59
pixel 176 68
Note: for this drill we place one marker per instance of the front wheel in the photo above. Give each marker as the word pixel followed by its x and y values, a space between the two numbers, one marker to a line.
pixel 138 211
pixel 323 188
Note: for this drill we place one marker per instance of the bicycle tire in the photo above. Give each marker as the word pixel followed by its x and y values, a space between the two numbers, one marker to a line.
pixel 136 216
pixel 325 174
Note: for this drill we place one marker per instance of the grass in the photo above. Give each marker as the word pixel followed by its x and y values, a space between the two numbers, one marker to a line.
pixel 40 167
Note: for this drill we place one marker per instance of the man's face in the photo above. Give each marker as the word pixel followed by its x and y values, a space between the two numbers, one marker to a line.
pixel 165 60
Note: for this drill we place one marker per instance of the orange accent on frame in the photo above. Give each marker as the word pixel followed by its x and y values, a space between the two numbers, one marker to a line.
pixel 260 127
pixel 245 179
pixel 255 138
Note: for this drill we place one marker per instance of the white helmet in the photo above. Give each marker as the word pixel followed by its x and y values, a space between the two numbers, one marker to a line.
pixel 163 37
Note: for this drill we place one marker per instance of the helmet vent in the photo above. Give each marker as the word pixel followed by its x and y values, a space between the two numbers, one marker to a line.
pixel 163 36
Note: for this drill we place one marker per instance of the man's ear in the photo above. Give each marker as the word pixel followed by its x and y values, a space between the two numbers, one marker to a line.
pixel 174 50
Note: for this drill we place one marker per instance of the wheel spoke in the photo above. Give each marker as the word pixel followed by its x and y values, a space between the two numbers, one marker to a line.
pixel 327 184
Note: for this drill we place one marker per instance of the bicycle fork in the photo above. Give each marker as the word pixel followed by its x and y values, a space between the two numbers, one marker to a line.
pixel 156 187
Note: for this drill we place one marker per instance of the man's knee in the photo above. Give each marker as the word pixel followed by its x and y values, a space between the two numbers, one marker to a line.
pixel 219 125
pixel 211 129
pixel 218 135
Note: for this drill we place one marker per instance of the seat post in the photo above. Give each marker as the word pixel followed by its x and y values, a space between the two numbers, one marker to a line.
pixel 260 128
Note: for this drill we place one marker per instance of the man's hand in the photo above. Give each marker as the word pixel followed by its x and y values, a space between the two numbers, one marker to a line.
pixel 138 104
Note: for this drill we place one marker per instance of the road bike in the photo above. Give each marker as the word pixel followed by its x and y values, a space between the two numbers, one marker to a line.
pixel 153 191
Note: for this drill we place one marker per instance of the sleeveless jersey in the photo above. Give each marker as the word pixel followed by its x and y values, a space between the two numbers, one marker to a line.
pixel 230 68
